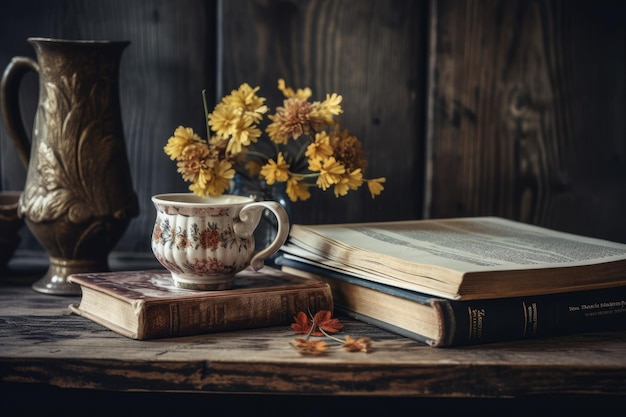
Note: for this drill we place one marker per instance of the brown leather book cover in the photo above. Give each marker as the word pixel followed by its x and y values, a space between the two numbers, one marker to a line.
pixel 147 305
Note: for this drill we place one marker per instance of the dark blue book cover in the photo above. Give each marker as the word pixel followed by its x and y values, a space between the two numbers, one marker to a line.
pixel 442 322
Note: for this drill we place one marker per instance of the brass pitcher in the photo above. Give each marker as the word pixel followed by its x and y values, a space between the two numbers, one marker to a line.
pixel 78 198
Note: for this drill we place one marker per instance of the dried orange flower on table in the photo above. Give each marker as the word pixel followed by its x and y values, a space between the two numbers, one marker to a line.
pixel 361 344
pixel 322 320
pixel 304 146
pixel 319 325
pixel 310 347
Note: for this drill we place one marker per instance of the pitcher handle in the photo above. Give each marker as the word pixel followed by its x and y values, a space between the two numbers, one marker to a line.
pixel 10 104
pixel 250 216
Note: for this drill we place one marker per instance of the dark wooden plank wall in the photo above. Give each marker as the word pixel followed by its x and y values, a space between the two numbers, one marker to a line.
pixel 504 107
pixel 170 60
pixel 373 53
pixel 526 113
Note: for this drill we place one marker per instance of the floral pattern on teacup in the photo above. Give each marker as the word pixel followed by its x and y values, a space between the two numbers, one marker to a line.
pixel 196 236
pixel 210 266
pixel 204 245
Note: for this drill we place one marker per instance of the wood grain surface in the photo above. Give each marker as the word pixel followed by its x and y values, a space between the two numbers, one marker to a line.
pixel 526 113
pixel 42 343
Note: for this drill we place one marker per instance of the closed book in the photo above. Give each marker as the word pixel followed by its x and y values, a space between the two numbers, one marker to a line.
pixel 442 322
pixel 147 304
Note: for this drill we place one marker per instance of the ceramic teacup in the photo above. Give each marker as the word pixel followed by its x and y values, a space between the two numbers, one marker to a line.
pixel 205 241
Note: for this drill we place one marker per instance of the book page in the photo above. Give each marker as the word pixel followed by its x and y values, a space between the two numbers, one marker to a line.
pixel 386 277
pixel 463 244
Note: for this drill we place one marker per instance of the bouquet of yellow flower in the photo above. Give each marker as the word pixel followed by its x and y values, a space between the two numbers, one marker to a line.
pixel 304 147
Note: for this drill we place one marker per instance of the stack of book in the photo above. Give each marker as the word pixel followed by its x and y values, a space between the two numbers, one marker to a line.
pixel 146 304
pixel 463 281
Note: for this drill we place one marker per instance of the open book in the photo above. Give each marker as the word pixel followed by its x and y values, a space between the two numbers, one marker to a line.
pixel 462 258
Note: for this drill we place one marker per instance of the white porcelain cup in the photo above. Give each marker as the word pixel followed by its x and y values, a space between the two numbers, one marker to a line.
pixel 205 241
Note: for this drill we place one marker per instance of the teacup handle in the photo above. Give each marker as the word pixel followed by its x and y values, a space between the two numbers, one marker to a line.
pixel 250 216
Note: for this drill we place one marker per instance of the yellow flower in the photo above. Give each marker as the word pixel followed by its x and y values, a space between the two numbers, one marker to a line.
pixel 199 186
pixel 330 173
pixel 183 137
pixel 321 154
pixel 223 120
pixel 296 189
pixel 213 182
pixel 351 181
pixel 235 118
pixel 245 98
pixel 275 170
pixel 243 134
pixel 341 188
pixel 191 160
pixel 355 179
pixel 189 169
pixel 320 149
pixel 332 104
pixel 198 189
pixel 222 175
pixel 195 150
pixel 315 165
pixel 323 113
pixel 288 92
pixel 376 186
pixel 276 132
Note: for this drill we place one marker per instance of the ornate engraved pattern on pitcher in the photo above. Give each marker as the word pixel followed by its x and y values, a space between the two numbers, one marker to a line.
pixel 81 152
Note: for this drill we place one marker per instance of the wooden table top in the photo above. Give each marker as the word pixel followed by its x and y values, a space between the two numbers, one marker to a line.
pixel 41 342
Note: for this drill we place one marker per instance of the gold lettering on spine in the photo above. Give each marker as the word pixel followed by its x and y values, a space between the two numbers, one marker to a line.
pixel 476 319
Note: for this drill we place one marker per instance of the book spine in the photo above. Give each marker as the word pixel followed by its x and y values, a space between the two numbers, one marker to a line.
pixel 486 321
pixel 185 318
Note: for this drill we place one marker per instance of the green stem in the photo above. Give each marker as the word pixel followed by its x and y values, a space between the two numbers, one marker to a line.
pixel 206 115
pixel 311 175
pixel 259 154
pixel 302 151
